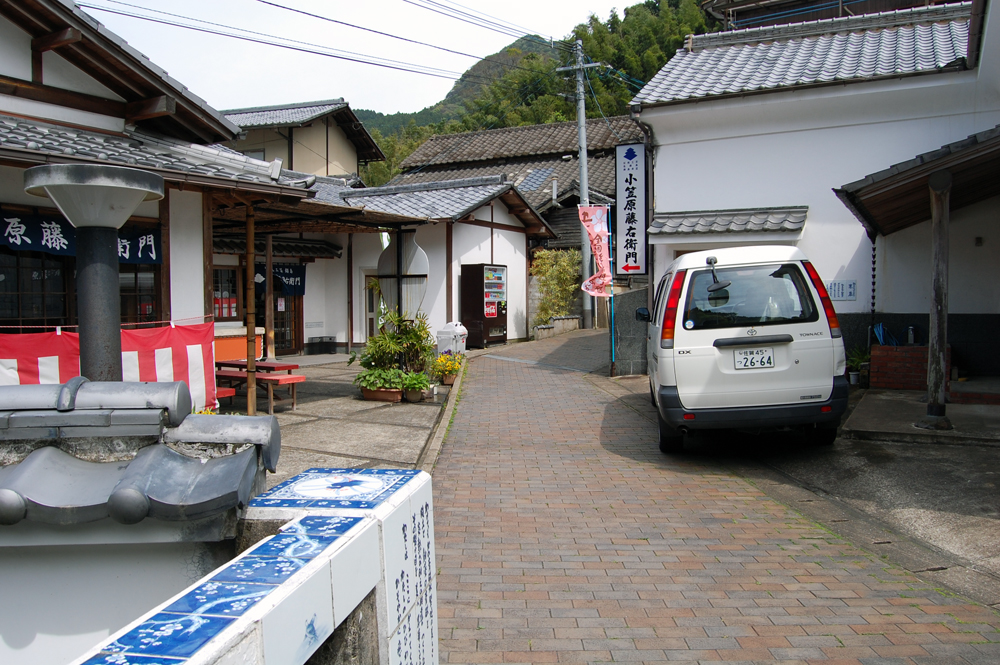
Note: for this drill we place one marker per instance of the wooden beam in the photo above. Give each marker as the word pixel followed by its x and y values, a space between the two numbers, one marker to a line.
pixel 75 100
pixel 206 253
pixel 155 107
pixel 56 39
pixel 937 344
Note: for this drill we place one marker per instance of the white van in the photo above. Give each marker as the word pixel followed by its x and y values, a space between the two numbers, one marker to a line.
pixel 744 338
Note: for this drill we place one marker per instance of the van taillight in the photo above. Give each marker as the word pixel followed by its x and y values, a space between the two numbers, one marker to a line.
pixel 831 314
pixel 670 313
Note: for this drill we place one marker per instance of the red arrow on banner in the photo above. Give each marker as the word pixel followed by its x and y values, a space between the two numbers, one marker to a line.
pixel 630 268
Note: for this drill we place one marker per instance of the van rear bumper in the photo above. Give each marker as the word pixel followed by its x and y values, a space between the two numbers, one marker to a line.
pixel 783 415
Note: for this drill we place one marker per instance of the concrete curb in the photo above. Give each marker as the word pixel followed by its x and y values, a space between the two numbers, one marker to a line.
pixel 925 437
pixel 428 458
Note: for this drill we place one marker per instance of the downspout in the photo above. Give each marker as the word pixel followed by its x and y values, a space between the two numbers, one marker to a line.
pixel 647 140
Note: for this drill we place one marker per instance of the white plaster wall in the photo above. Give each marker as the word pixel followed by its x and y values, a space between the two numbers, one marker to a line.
pixel 58 601
pixel 57 72
pixel 509 249
pixel 15 62
pixel 432 239
pixel 15 51
pixel 187 265
pixel 904 282
pixel 793 148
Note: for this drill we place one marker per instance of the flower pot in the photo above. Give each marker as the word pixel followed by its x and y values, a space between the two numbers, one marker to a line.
pixel 853 377
pixel 448 379
pixel 413 395
pixel 383 394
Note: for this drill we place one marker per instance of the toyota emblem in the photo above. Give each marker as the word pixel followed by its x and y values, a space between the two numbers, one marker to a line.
pixel 752 332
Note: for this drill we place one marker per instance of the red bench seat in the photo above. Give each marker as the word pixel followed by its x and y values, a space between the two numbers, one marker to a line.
pixel 269 379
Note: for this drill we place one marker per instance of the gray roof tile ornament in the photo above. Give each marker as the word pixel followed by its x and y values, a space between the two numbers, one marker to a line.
pixel 754 220
pixel 85 451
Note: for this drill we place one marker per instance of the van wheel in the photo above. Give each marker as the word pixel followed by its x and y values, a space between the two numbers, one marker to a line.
pixel 671 441
pixel 824 435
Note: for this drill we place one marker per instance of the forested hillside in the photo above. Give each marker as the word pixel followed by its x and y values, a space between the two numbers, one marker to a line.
pixel 519 86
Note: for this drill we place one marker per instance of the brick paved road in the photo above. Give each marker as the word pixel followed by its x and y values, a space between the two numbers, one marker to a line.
pixel 562 534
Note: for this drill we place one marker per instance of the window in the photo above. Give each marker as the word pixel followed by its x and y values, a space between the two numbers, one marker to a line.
pixel 255 154
pixel 33 289
pixel 225 285
pixel 139 285
pixel 758 295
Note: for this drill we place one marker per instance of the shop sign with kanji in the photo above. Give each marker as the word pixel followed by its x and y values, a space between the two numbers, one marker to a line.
pixel 630 210
pixel 54 235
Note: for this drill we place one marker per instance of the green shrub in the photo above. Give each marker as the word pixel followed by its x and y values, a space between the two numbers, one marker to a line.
pixel 380 379
pixel 558 273
pixel 416 381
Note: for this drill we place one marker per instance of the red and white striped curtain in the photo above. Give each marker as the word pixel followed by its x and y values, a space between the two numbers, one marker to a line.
pixel 176 353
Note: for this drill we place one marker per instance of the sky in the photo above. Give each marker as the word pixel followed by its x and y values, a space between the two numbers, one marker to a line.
pixel 230 73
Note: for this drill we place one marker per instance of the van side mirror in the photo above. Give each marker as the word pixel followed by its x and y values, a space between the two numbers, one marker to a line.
pixel 642 314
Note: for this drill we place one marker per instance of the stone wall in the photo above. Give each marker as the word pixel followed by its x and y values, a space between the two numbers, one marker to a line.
pixel 630 335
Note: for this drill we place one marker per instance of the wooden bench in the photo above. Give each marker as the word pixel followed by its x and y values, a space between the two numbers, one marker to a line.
pixel 222 392
pixel 269 379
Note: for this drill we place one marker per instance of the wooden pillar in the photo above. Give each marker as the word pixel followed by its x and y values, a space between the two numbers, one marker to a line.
pixel 449 270
pixel 269 299
pixel 937 346
pixel 206 248
pixel 165 251
pixel 350 291
pixel 251 318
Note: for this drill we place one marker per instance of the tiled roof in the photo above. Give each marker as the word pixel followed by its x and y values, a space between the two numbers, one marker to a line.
pixel 924 158
pixel 529 140
pixel 532 175
pixel 755 220
pixel 859 48
pixel 281 246
pixel 452 199
pixel 284 115
pixel 137 149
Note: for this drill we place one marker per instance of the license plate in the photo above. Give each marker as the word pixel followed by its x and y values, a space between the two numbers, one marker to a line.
pixel 760 358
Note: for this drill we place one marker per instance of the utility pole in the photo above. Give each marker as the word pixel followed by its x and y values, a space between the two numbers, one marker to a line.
pixel 581 123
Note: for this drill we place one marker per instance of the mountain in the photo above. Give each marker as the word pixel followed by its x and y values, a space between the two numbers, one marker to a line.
pixel 468 87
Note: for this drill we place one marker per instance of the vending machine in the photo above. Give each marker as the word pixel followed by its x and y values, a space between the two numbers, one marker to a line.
pixel 484 304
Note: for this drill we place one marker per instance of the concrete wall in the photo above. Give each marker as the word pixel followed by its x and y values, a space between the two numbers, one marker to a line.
pixel 60 600
pixel 187 264
pixel 433 239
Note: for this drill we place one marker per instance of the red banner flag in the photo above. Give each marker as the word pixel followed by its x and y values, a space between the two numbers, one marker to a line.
pixel 595 220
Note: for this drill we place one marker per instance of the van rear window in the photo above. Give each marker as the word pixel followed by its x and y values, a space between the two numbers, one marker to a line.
pixel 756 296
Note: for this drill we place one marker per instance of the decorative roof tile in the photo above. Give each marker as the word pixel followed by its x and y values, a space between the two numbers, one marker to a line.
pixel 451 199
pixel 754 220
pixel 282 115
pixel 139 149
pixel 528 140
pixel 859 48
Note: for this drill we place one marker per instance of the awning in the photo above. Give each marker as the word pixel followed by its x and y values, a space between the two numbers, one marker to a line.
pixel 280 246
pixel 897 198
pixel 739 221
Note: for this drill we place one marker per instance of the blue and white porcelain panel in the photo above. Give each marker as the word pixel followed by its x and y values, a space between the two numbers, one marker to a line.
pixel 297 625
pixel 284 583
pixel 359 489
pixel 350 530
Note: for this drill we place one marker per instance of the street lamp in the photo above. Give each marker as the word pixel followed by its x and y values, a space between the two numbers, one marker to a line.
pixel 96 200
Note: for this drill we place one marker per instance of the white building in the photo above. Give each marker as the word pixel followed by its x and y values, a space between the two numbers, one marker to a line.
pixel 753 129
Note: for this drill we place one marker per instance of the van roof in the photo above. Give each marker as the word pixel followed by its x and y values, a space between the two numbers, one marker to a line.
pixel 738 255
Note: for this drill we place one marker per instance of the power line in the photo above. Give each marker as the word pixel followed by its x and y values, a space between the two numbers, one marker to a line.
pixel 599 109
pixel 359 27
pixel 471 19
pixel 491 59
pixel 290 45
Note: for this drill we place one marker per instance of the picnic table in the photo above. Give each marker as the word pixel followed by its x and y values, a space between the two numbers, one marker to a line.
pixel 267 373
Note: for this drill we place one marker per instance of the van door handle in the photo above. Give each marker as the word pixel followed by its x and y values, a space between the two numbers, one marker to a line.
pixel 752 341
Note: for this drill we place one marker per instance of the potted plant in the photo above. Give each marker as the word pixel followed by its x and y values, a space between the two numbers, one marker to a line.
pixel 383 385
pixel 414 385
pixel 401 347
pixel 856 358
pixel 447 365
